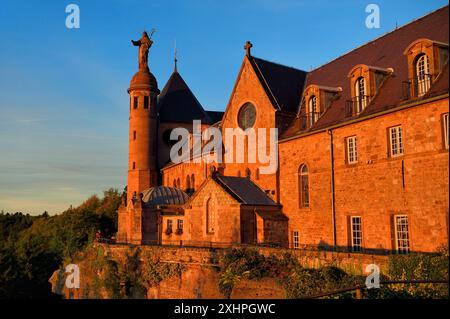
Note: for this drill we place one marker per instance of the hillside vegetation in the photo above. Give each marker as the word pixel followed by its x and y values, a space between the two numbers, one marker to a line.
pixel 33 247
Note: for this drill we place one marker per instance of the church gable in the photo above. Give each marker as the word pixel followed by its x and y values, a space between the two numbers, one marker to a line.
pixel 248 89
pixel 206 190
pixel 269 86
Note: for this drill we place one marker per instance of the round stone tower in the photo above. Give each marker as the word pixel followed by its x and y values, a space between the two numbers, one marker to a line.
pixel 142 170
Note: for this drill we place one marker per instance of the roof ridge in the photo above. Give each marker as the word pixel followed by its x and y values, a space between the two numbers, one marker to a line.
pixel 279 64
pixel 379 37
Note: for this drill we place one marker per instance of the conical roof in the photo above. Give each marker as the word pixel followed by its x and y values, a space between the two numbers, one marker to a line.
pixel 177 103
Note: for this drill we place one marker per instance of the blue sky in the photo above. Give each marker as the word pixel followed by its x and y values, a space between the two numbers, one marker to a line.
pixel 63 98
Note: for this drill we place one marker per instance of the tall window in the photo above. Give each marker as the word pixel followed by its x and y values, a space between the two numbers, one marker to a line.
pixel 313 114
pixel 193 182
pixel 178 183
pixel 188 183
pixel 361 98
pixel 423 77
pixel 304 186
pixel 295 240
pixel 179 225
pixel 135 102
pixel 210 217
pixel 134 135
pixel 396 141
pixel 401 234
pixel 356 233
pixel 169 226
pixel 446 129
pixel 145 102
pixel 248 173
pixel 352 150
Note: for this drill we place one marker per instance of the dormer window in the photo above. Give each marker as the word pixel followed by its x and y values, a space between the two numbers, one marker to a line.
pixel 365 82
pixel 422 76
pixel 426 60
pixel 316 100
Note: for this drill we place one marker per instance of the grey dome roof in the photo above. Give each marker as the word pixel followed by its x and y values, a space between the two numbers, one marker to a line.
pixel 164 195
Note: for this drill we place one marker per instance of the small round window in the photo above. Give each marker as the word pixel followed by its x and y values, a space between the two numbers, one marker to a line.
pixel 166 138
pixel 247 116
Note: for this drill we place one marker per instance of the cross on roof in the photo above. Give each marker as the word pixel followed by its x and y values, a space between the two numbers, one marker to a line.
pixel 175 60
pixel 248 45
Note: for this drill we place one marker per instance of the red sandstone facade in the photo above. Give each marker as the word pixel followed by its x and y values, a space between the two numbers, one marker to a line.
pixel 363 153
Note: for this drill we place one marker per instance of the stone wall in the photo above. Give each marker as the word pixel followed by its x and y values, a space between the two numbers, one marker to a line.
pixel 377 187
pixel 200 271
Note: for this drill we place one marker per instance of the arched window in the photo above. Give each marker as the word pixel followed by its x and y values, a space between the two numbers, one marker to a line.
pixel 210 217
pixel 303 184
pixel 248 173
pixel 257 174
pixel 188 183
pixel 423 77
pixel 193 182
pixel 361 97
pixel 174 182
pixel 313 113
pixel 178 183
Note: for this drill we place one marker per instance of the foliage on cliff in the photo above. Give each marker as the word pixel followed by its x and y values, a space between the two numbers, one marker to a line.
pixel 416 266
pixel 33 247
pixel 126 277
pixel 303 282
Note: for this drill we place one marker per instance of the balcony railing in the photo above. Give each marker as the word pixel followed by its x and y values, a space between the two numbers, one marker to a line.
pixel 356 105
pixel 308 119
pixel 417 86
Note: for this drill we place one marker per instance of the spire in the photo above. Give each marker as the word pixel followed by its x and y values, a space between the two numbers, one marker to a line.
pixel 175 58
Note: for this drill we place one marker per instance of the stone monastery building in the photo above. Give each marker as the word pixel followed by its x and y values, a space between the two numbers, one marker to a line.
pixel 363 152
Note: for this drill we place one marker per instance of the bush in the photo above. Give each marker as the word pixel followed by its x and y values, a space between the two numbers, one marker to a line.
pixel 416 266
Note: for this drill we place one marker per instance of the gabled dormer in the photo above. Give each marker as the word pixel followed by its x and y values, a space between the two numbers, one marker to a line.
pixel 426 59
pixel 365 81
pixel 316 100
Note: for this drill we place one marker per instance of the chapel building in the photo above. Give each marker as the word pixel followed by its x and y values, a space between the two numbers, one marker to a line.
pixel 362 163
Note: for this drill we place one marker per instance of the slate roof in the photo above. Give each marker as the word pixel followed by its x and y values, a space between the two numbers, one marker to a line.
pixel 282 84
pixel 385 52
pixel 244 190
pixel 177 103
pixel 215 116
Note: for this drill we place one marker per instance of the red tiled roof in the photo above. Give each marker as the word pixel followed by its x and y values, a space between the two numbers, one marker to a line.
pixel 385 52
